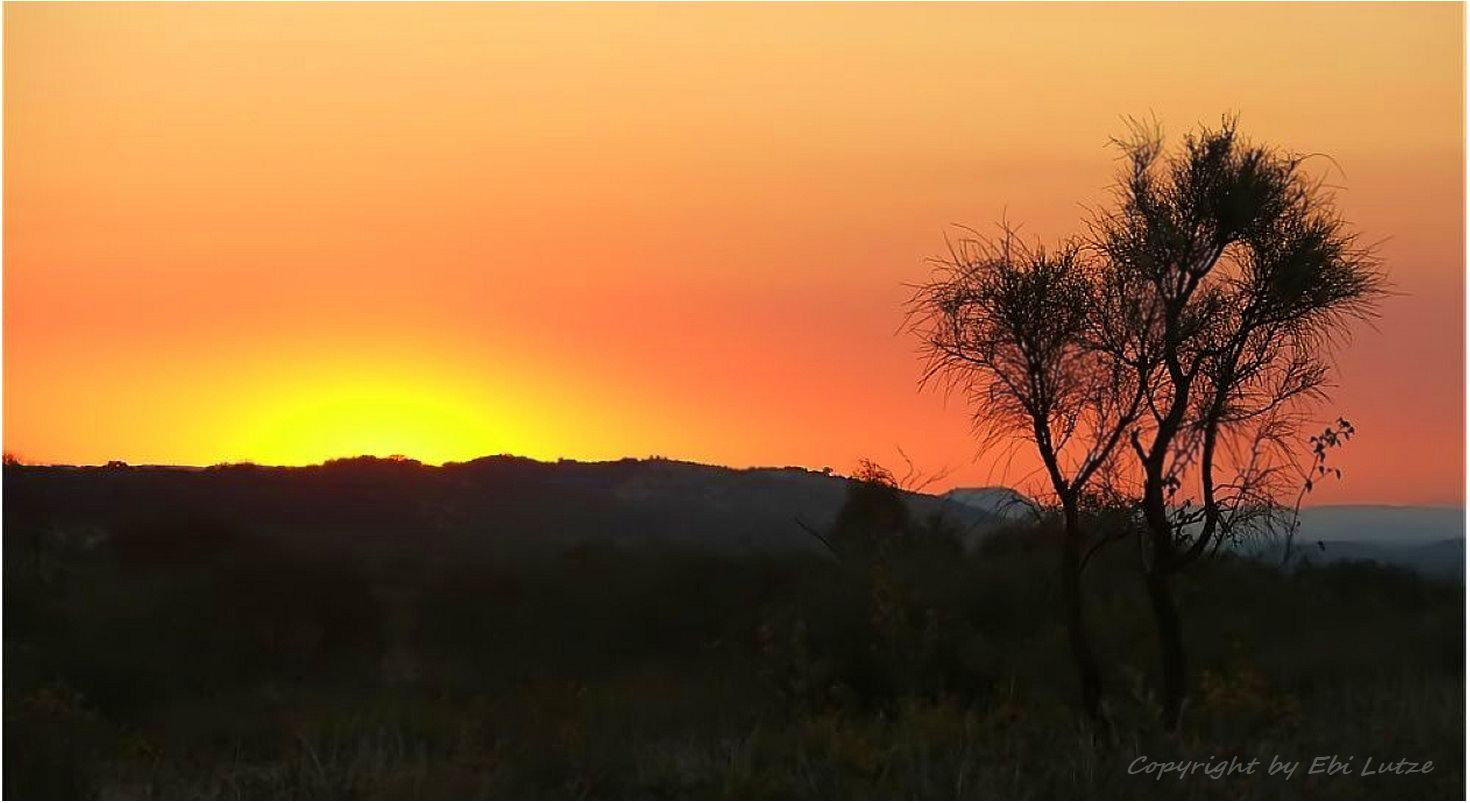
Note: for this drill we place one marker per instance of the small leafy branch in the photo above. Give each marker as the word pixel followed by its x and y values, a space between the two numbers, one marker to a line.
pixel 1332 437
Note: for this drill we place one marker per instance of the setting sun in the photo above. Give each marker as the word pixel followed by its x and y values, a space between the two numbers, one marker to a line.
pixel 336 416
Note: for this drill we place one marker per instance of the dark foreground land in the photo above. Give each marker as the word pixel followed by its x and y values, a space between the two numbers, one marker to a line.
pixel 503 629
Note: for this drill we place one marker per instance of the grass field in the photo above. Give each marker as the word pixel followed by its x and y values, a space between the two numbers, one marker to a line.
pixel 196 660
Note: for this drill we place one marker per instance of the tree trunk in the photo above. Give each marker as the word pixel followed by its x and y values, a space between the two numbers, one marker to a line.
pixel 1171 647
pixel 1089 677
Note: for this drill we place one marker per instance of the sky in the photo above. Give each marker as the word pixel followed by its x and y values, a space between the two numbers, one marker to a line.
pixel 284 233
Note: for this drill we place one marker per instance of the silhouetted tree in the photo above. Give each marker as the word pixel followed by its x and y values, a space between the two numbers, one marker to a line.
pixel 873 516
pixel 1014 327
pixel 1228 278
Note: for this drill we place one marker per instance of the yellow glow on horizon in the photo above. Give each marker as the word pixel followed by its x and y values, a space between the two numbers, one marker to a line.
pixel 336 418
pixel 417 401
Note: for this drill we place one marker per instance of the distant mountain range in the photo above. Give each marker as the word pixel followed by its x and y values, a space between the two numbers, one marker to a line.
pixel 1386 524
pixel 517 502
pixel 1394 524
pixel 1426 539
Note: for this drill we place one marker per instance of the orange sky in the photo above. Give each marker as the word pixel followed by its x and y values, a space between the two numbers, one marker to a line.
pixel 283 233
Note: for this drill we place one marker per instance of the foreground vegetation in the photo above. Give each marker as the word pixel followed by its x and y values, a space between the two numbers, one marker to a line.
pixel 184 657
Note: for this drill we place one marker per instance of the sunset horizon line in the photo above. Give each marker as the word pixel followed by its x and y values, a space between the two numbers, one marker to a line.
pixel 829 471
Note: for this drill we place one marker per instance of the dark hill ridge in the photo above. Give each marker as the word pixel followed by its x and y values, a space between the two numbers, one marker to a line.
pixel 515 503
pixel 494 501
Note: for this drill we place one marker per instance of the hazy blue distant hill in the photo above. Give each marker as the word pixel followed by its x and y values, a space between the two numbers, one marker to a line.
pixel 1383 523
pixel 996 500
pixel 1430 540
pixel 1426 539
